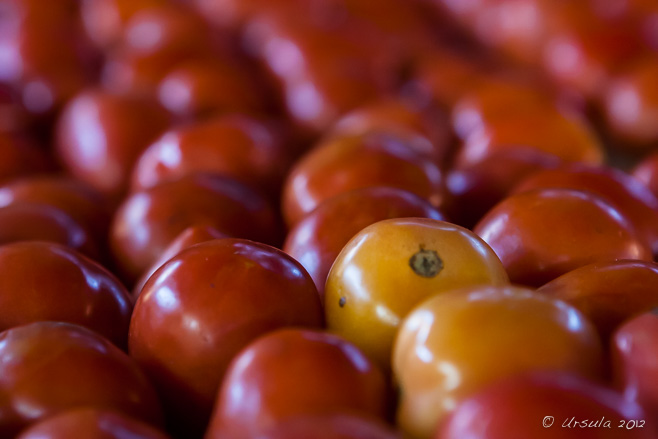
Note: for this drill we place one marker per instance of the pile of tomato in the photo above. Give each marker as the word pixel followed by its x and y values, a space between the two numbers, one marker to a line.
pixel 328 219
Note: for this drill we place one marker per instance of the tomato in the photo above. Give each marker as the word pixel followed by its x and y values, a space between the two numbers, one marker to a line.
pixel 631 104
pixel 202 307
pixel 626 194
pixel 148 220
pixel 200 87
pixel 91 424
pixel 293 372
pixel 42 281
pixel 24 221
pixel 330 426
pixel 455 343
pixel 20 157
pixel 475 189
pixel 104 20
pixel 398 116
pixel 316 240
pixel 100 136
pixel 58 367
pixel 546 406
pixel 154 40
pixel 80 201
pixel 608 293
pixel 244 148
pixel 635 361
pixel 544 233
pixel 647 172
pixel 392 265
pixel 187 238
pixel 549 130
pixel 341 164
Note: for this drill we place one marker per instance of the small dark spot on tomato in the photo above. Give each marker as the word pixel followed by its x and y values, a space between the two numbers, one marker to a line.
pixel 342 302
pixel 426 263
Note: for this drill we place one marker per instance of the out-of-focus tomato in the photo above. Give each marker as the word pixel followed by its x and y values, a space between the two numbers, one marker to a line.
pixel 626 194
pixel 187 238
pixel 542 234
pixel 475 189
pixel 148 220
pixel 100 136
pixel 57 367
pixel 318 238
pixel 84 204
pixel 344 163
pixel 389 267
pixel 331 426
pixel 244 148
pixel 105 20
pixel 455 343
pixel 397 116
pixel 295 372
pixel 635 361
pixel 198 88
pixel 26 221
pixel 546 406
pixel 154 40
pixel 91 424
pixel 631 104
pixel 42 281
pixel 608 293
pixel 202 307
pixel 647 172
pixel 549 130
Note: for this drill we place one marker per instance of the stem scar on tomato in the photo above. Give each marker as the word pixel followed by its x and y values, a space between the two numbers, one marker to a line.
pixel 426 263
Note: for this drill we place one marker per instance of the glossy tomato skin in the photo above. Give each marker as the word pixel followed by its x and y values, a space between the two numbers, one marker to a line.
pixel 398 116
pixel 626 194
pixel 474 190
pixel 345 163
pixel 245 148
pixel 79 200
pixel 105 20
pixel 42 281
pixel 147 221
pixel 154 40
pixel 647 172
pixel 100 136
pixel 390 266
pixel 316 240
pixel 634 354
pixel 25 221
pixel 631 104
pixel 567 136
pixel 187 238
pixel 202 307
pixel 455 343
pixel 546 406
pixel 293 372
pixel 542 234
pixel 59 367
pixel 91 424
pixel 331 426
pixel 608 293
pixel 199 88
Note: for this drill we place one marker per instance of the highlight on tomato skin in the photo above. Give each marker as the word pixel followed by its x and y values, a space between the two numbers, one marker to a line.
pixel 455 343
pixel 392 265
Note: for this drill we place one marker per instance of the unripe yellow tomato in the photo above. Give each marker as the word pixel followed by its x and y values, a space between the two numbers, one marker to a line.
pixel 391 266
pixel 456 343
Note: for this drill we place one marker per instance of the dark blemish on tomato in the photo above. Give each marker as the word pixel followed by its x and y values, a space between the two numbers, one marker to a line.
pixel 426 263
pixel 342 301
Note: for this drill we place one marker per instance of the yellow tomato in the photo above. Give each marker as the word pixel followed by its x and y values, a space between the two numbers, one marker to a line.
pixel 455 343
pixel 392 265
